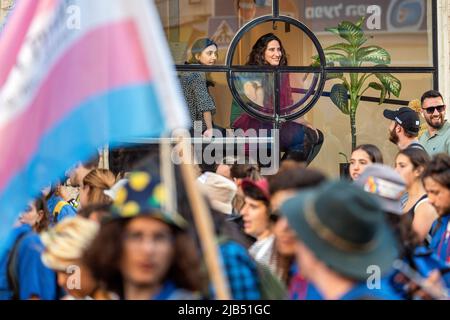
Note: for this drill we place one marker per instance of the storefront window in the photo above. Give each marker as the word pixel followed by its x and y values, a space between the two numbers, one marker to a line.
pixel 405 29
pixel 371 126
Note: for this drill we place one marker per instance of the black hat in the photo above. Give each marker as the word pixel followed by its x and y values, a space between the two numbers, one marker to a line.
pixel 406 117
pixel 344 227
pixel 201 44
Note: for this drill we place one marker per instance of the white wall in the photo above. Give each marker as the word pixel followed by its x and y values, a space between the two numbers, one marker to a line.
pixel 444 48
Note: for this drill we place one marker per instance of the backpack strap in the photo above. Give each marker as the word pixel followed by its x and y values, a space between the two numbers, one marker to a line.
pixel 11 270
pixel 59 206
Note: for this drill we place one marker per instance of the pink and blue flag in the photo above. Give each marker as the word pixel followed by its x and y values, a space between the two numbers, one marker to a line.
pixel 74 76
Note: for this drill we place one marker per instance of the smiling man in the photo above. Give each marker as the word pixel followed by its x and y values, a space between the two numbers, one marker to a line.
pixel 437 138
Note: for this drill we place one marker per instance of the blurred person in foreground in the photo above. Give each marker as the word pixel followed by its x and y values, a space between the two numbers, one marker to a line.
pixel 145 252
pixel 341 232
pixel 65 245
pixel 387 186
pixel 22 274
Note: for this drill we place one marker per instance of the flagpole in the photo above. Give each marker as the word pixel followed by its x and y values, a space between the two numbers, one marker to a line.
pixel 167 174
pixel 204 224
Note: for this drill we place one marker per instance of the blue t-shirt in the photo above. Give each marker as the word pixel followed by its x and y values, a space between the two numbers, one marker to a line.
pixel 35 279
pixel 170 291
pixel 440 238
pixel 361 292
pixel 301 289
pixel 66 211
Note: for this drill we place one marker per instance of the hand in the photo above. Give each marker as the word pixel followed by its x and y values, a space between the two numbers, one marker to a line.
pixel 208 133
pixel 63 193
pixel 433 283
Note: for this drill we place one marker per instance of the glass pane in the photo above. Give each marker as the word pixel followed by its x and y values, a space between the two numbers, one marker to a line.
pixel 185 21
pixel 402 28
pixel 300 89
pixel 371 126
pixel 256 90
pixel 226 111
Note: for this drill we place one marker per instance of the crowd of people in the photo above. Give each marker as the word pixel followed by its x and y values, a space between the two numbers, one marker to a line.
pixel 381 233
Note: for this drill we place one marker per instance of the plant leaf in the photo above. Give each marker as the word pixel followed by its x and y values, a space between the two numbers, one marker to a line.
pixel 339 75
pixel 391 83
pixel 339 97
pixel 383 95
pixel 334 57
pixel 381 88
pixel 376 86
pixel 360 22
pixel 316 61
pixel 373 54
pixel 341 46
pixel 333 30
pixel 352 33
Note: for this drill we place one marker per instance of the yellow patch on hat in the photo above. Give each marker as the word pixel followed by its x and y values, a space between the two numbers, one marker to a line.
pixel 130 209
pixel 121 196
pixel 139 180
pixel 159 194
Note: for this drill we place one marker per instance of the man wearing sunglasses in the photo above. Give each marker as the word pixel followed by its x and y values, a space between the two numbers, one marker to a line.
pixel 437 138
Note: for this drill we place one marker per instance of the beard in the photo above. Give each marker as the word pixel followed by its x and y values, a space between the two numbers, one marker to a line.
pixel 393 136
pixel 431 121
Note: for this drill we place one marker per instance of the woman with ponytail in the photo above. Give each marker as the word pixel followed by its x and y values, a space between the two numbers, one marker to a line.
pixel 94 184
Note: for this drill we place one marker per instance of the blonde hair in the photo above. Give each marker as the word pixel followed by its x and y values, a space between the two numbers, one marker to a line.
pixel 67 241
pixel 98 181
pixel 416 105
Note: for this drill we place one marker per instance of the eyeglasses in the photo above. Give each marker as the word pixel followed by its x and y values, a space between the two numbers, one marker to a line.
pixel 430 110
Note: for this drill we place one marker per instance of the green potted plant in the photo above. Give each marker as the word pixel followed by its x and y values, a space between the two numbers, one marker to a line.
pixel 347 94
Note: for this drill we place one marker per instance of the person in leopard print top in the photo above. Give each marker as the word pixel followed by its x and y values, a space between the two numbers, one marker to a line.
pixel 195 86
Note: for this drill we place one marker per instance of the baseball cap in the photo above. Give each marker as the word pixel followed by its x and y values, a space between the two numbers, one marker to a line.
pixel 406 117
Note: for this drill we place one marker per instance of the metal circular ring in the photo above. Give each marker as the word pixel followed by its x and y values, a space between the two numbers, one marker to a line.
pixel 320 72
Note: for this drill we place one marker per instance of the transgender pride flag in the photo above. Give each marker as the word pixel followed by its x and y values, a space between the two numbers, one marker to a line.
pixel 76 75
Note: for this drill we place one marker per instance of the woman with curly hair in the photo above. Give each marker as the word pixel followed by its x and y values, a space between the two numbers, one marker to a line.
pixel 258 88
pixel 144 252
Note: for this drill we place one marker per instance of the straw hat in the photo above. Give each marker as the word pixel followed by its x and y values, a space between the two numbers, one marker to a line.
pixel 66 242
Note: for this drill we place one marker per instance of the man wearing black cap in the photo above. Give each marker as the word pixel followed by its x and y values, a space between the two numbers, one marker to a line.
pixel 404 128
pixel 342 240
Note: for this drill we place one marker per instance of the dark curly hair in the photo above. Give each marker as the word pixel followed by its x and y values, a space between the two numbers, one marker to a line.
pixel 256 57
pixel 104 255
pixel 439 170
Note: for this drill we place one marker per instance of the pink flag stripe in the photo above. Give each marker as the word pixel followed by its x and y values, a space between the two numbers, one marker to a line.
pixel 97 63
pixel 11 42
